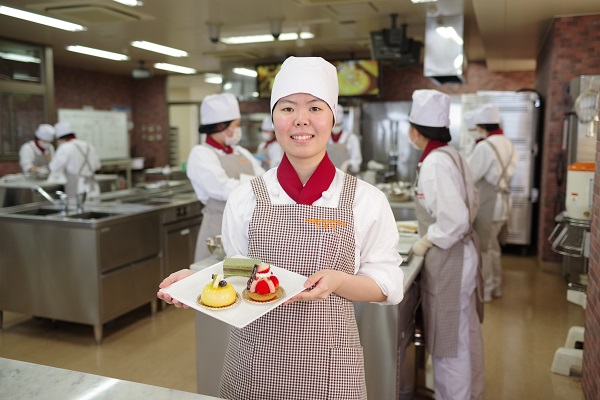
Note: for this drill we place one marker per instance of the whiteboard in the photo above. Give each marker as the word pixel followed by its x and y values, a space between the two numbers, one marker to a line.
pixel 105 130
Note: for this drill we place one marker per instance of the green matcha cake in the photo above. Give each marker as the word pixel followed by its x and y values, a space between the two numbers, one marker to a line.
pixel 239 267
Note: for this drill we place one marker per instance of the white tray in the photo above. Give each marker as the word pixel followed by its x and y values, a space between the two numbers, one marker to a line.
pixel 187 290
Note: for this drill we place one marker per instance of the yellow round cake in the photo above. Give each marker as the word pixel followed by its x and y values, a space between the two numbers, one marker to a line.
pixel 218 293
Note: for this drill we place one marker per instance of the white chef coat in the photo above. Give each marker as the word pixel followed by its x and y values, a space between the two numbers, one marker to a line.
pixel 352 143
pixel 376 233
pixel 484 165
pixel 208 177
pixel 441 190
pixel 28 153
pixel 70 158
pixel 273 152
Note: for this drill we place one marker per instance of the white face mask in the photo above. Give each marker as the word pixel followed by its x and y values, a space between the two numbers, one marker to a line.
pixel 266 136
pixel 235 139
pixel 336 129
pixel 476 135
pixel 413 144
pixel 43 144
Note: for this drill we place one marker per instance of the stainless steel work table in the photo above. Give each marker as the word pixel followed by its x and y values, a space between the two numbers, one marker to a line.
pixel 385 332
pixel 23 380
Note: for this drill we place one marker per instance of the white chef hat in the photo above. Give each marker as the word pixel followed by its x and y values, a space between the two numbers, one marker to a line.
pixel 430 108
pixel 217 108
pixel 339 115
pixel 312 75
pixel 267 125
pixel 62 129
pixel 487 114
pixel 45 132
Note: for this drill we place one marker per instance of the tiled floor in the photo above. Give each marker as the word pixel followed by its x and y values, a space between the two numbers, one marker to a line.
pixel 521 330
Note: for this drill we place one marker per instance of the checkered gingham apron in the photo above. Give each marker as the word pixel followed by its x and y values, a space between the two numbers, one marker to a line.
pixel 441 279
pixel 303 350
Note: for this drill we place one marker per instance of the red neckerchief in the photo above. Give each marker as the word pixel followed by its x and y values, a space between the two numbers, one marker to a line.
pixel 215 144
pixel 37 144
pixel 495 132
pixel 432 145
pixel 336 136
pixel 319 181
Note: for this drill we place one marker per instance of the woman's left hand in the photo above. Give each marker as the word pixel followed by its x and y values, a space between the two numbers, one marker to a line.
pixel 320 285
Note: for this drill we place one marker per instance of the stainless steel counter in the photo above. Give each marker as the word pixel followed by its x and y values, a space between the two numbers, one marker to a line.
pixel 23 380
pixel 385 333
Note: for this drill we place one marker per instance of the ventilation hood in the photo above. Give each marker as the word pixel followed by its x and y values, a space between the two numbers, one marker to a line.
pixel 444 61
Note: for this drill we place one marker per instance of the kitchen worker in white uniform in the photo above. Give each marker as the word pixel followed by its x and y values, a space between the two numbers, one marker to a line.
pixel 313 219
pixel 343 147
pixel 35 155
pixel 446 205
pixel 219 165
pixel 493 163
pixel 269 148
pixel 76 160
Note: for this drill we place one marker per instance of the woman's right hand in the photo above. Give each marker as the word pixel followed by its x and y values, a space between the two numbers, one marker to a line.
pixel 168 281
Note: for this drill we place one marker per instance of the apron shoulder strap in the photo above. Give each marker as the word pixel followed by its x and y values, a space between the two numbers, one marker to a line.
pixel 259 188
pixel 460 165
pixel 348 191
pixel 504 166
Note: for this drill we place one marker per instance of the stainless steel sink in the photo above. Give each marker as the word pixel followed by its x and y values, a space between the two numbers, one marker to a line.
pixel 150 202
pixel 38 211
pixel 91 215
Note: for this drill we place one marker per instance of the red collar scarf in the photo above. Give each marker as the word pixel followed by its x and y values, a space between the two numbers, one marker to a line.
pixel 495 132
pixel 431 146
pixel 336 136
pixel 37 144
pixel 217 145
pixel 319 181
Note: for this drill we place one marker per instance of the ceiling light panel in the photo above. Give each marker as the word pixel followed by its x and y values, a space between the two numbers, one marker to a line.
pixel 40 19
pixel 174 68
pixel 98 53
pixel 266 38
pixel 157 48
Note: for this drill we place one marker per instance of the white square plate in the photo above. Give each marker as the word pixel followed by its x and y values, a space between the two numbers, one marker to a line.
pixel 188 289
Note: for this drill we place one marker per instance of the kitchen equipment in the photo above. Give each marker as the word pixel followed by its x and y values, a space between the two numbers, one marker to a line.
pixel 580 190
pixel 215 246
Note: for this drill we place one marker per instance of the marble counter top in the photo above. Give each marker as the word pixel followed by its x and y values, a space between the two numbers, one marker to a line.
pixel 23 380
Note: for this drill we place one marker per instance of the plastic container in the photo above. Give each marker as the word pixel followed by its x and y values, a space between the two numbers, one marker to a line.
pixel 580 190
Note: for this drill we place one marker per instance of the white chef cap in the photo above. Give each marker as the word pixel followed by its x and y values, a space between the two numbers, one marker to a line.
pixel 45 132
pixel 430 108
pixel 339 115
pixel 62 129
pixel 217 108
pixel 312 75
pixel 487 114
pixel 267 125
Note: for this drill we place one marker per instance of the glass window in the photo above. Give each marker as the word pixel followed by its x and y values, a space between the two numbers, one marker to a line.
pixel 21 62
pixel 20 115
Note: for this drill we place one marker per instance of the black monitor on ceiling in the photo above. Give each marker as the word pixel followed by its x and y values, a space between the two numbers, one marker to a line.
pixel 405 52
pixel 357 77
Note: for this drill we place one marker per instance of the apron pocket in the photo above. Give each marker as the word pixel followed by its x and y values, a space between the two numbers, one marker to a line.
pixel 328 250
pixel 347 374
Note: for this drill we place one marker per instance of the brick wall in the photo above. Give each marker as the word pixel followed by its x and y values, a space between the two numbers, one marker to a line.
pixel 572 48
pixel 147 100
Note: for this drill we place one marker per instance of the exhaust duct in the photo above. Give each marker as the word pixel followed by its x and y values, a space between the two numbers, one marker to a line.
pixel 444 61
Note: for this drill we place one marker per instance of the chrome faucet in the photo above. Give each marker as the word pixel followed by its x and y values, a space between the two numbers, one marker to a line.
pixel 46 195
pixel 63 202
pixel 81 201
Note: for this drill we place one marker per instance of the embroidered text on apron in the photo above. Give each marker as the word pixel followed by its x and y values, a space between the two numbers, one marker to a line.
pixel 338 153
pixel 303 350
pixel 441 279
pixel 488 195
pixel 84 178
pixel 212 213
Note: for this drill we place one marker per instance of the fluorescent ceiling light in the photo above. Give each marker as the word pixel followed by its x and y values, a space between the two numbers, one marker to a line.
pixel 130 3
pixel 448 32
pixel 266 38
pixel 423 1
pixel 19 57
pixel 98 53
pixel 142 44
pixel 40 19
pixel 175 68
pixel 246 72
pixel 213 78
pixel 25 77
